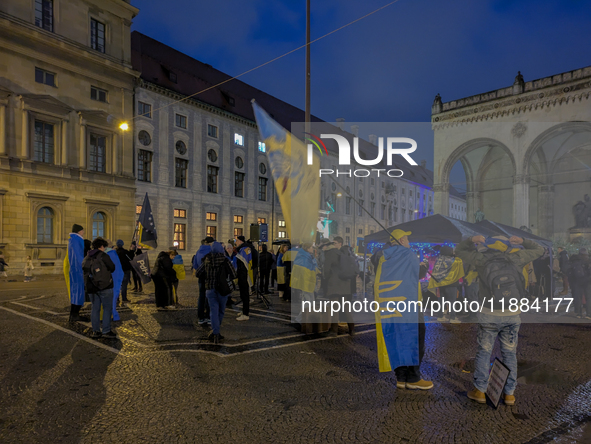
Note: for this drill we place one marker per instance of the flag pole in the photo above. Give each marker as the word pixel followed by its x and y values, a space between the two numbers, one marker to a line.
pixel 307 116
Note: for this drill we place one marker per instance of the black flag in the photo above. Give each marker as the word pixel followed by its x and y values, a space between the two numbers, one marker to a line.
pixel 147 230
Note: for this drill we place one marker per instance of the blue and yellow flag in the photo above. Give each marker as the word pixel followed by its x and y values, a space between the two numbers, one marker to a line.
pixel 147 237
pixel 245 256
pixel 296 182
pixel 73 269
pixel 455 273
pixel 303 272
pixel 397 281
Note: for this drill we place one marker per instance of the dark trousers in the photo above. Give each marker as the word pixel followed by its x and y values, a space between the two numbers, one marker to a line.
pixel 273 276
pixel 163 291
pixel 412 373
pixel 244 294
pixel 346 316
pixel 580 290
pixel 202 304
pixel 137 282
pixel 564 283
pixel 125 284
pixel 265 281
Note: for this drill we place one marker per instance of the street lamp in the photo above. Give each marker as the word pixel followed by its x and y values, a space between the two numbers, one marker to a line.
pixel 124 126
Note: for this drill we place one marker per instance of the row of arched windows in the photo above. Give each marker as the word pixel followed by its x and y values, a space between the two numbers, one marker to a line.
pixel 45 225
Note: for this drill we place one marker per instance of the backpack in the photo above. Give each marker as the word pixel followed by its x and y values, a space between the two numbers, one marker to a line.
pixel 577 270
pixel 503 280
pixel 348 268
pixel 224 284
pixel 99 275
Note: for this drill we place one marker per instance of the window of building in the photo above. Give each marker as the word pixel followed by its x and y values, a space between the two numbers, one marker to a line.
pixel 239 162
pixel 360 208
pixel 372 208
pixel 348 240
pixel 361 231
pixel 262 147
pixel 99 220
pixel 212 179
pixel 138 209
pixel 238 184
pixel 45 226
pixel 238 219
pixel 97 153
pixel 347 230
pixel 212 131
pixel 383 212
pixel 97 35
pixel 181 173
pixel 212 156
pixel 211 230
pixel 348 205
pixel 179 236
pixel 178 212
pixel 144 138
pixel 180 147
pixel 98 94
pixel 282 223
pixel 181 121
pixel 144 166
pixel 261 220
pixel 46 77
pixel 44 14
pixel 238 232
pixel 239 139
pixel 172 77
pixel 262 188
pixel 282 234
pixel 262 168
pixel 43 144
pixel 211 216
pixel 144 109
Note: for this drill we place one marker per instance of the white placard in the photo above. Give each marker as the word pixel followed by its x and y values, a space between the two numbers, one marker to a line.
pixel 496 381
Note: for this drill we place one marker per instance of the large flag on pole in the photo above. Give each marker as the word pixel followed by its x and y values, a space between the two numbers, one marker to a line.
pixel 296 182
pixel 147 237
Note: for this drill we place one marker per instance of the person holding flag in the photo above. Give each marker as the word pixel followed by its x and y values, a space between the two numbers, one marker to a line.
pixel 303 276
pixel 400 333
pixel 446 275
pixel 146 231
pixel 74 274
pixel 245 276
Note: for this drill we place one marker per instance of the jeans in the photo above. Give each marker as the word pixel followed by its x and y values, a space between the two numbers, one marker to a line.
pixel 412 373
pixel 244 294
pixel 104 298
pixel 202 304
pixel 217 305
pixel 125 284
pixel 489 327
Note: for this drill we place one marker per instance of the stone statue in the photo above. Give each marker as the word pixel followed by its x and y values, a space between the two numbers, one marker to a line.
pixel 479 215
pixel 582 212
pixel 518 79
pixel 437 100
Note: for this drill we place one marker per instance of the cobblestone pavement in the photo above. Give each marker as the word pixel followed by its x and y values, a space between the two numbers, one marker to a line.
pixel 162 382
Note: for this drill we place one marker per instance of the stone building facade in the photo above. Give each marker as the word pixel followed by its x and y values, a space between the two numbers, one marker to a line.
pixel 525 150
pixel 66 85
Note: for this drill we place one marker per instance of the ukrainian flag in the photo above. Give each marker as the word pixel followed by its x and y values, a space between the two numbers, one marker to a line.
pixel 303 273
pixel 245 256
pixel 73 269
pixel 455 274
pixel 296 182
pixel 397 280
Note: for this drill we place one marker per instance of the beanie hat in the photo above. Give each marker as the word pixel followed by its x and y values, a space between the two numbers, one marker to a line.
pixel 77 228
pixel 241 238
pixel 120 243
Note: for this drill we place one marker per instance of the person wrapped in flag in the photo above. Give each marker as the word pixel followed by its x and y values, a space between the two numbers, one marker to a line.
pixel 245 275
pixel 73 273
pixel 446 275
pixel 303 276
pixel 400 334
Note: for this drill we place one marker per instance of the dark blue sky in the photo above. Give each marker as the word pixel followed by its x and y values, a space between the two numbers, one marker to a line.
pixel 387 67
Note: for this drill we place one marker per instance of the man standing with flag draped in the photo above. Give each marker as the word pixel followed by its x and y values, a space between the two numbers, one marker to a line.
pixel 74 274
pixel 400 334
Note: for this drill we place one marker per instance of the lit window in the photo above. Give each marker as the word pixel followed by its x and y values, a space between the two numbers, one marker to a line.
pixel 97 35
pixel 238 219
pixel 212 131
pixel 282 234
pixel 179 236
pixel 211 216
pixel 144 109
pixel 262 147
pixel 45 226
pixel 43 144
pixel 46 77
pixel 138 209
pixel 211 230
pixel 239 139
pixel 261 220
pixel 282 223
pixel 180 213
pixel 98 94
pixel 181 121
pixel 238 232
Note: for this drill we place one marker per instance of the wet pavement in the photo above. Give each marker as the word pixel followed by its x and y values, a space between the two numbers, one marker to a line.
pixel 162 381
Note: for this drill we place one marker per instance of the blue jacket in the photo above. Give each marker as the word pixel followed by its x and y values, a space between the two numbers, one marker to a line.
pixel 203 250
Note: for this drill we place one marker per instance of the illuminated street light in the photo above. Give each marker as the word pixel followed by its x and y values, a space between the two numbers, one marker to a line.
pixel 339 194
pixel 124 126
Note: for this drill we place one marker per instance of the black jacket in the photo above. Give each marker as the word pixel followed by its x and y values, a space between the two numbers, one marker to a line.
pixel 563 261
pixel 576 261
pixel 124 257
pixel 98 254
pixel 164 265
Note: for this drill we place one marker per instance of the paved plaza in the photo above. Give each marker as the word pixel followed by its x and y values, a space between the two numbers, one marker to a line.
pixel 162 381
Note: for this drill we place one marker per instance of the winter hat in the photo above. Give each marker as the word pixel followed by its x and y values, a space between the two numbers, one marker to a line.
pixel 77 228
pixel 241 238
pixel 209 240
pixel 120 243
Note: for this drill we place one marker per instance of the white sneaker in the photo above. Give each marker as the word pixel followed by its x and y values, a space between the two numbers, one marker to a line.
pixel 239 314
pixel 170 307
pixel 242 318
pixel 455 321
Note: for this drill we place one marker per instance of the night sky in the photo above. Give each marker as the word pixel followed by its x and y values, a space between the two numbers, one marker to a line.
pixel 387 67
